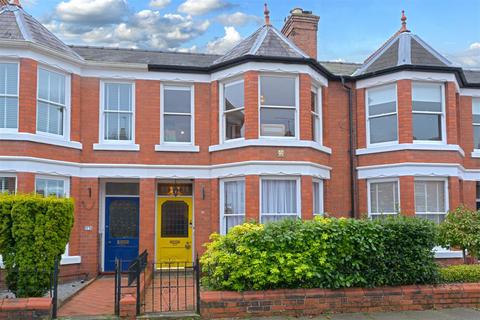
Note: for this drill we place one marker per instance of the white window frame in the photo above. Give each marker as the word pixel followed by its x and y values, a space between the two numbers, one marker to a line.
pixel 102 140
pixel 318 137
pixel 296 107
pixel 320 197
pixel 475 124
pixel 477 197
pixel 177 86
pixel 66 182
pixel 222 201
pixel 222 113
pixel 446 194
pixel 67 106
pixel 442 114
pixel 367 116
pixel 9 175
pixel 13 130
pixel 299 196
pixel 369 199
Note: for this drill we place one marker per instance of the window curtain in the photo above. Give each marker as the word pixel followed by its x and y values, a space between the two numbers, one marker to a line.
pixel 279 200
pixel 234 206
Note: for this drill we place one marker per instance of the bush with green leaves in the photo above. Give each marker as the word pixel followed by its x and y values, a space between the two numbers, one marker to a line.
pixel 461 229
pixel 33 233
pixel 321 253
pixel 460 273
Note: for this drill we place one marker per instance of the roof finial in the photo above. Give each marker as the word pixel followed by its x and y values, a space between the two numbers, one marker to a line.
pixel 17 3
pixel 404 22
pixel 266 12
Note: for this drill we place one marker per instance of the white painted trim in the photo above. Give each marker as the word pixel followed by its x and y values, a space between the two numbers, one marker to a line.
pixel 442 253
pixel 222 201
pixel 410 146
pixel 177 148
pixel 475 153
pixel 67 260
pixel 470 92
pixel 116 147
pixel 298 186
pixel 404 49
pixel 242 143
pixel 106 170
pixel 407 75
pixel 31 137
pixel 369 199
pixel 417 169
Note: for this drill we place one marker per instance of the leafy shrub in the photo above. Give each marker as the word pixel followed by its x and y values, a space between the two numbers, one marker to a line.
pixel 461 228
pixel 460 273
pixel 33 232
pixel 321 253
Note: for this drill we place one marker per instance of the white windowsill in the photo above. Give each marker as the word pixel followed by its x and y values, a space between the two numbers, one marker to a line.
pixel 66 260
pixel 443 253
pixel 410 146
pixel 475 153
pixel 269 143
pixel 25 136
pixel 116 147
pixel 177 148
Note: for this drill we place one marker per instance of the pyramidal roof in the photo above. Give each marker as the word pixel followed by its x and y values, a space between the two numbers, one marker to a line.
pixel 403 48
pixel 16 24
pixel 266 41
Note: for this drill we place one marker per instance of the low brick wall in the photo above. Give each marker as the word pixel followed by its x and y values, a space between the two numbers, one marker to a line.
pixel 307 302
pixel 26 308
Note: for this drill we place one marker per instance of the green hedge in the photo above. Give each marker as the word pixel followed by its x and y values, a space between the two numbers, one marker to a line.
pixel 460 273
pixel 322 253
pixel 33 232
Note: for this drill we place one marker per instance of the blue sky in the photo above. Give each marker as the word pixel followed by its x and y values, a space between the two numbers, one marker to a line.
pixel 349 30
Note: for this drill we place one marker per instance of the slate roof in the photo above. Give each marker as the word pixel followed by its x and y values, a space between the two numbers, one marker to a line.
pixel 340 68
pixel 16 24
pixel 472 76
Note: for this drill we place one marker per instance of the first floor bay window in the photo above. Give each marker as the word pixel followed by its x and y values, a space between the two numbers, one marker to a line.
pixel 428 111
pixel 233 110
pixel 382 114
pixel 476 122
pixel 233 206
pixel 383 198
pixel 279 199
pixel 118 112
pixel 316 111
pixel 51 186
pixel 8 96
pixel 177 114
pixel 278 106
pixel 51 102
pixel 430 199
pixel 8 184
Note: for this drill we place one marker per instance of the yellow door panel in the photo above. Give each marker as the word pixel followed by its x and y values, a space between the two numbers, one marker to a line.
pixel 174 230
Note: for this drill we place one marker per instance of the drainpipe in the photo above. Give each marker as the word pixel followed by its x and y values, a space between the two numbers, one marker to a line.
pixel 352 148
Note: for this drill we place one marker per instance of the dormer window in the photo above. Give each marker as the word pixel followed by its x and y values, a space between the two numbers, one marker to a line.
pixel 428 112
pixel 278 106
pixel 382 115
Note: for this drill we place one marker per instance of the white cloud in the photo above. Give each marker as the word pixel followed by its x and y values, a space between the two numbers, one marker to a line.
pixel 469 57
pixel 475 45
pixel 92 11
pixel 198 7
pixel 159 4
pixel 225 43
pixel 238 19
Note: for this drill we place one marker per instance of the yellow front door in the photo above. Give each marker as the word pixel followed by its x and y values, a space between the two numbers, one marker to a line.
pixel 174 230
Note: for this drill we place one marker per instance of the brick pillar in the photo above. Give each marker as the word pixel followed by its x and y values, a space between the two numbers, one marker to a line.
pixel 362 198
pixel 252 111
pixel 76 194
pixel 361 119
pixel 202 213
pixel 214 113
pixel 27 115
pixel 404 96
pixel 88 245
pixel 407 195
pixel 451 112
pixel 469 194
pixel 305 107
pixel 147 120
pixel 453 193
pixel 465 128
pixel 252 200
pixel 147 217
pixel 25 182
pixel 307 197
pixel 75 108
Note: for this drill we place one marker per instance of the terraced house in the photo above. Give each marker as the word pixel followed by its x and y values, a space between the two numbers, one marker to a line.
pixel 161 149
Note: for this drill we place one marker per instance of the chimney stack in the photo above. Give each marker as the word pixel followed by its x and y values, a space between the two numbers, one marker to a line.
pixel 3 2
pixel 301 27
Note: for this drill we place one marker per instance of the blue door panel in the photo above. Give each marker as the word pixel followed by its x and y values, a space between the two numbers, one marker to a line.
pixel 121 231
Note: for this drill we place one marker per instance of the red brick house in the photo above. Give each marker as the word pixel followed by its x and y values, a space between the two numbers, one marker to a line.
pixel 161 149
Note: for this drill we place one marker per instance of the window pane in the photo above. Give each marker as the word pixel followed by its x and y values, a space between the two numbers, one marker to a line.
pixel 55 125
pixel 177 100
pixel 476 137
pixel 125 97
pixel 8 112
pixel 279 196
pixel 315 127
pixel 111 126
pixel 317 198
pixel 429 196
pixel 118 126
pixel 234 96
pixel 177 128
pixel 234 124
pixel 277 91
pixel 427 97
pixel 427 106
pixel 383 129
pixel 43 83
pixel 384 197
pixel 381 100
pixel 42 117
pixel 234 197
pixel 122 188
pixel 314 101
pixel 125 126
pixel 427 127
pixel 7 184
pixel 476 110
pixel 48 187
pixel 476 118
pixel 8 78
pixel 277 122
pixel 387 107
pixel 112 96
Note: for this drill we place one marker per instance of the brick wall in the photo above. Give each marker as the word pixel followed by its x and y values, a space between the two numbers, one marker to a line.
pixel 25 308
pixel 311 302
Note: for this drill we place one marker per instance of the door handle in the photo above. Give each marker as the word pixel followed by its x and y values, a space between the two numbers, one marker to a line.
pixel 187 245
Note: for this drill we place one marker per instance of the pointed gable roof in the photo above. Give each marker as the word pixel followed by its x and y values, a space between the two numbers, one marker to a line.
pixel 403 48
pixel 16 24
pixel 266 41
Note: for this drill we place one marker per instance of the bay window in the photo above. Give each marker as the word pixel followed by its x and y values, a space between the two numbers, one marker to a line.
pixel 317 197
pixel 118 112
pixel 177 114
pixel 232 204
pixel 51 186
pixel 233 118
pixel 52 99
pixel 428 111
pixel 382 111
pixel 315 103
pixel 431 199
pixel 476 122
pixel 280 199
pixel 9 96
pixel 8 184
pixel 383 198
pixel 278 106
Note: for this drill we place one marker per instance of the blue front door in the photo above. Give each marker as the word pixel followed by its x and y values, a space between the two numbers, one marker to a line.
pixel 121 231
